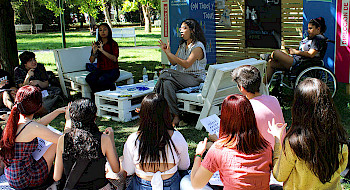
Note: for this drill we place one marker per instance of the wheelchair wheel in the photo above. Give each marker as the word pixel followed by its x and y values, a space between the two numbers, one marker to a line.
pixel 320 73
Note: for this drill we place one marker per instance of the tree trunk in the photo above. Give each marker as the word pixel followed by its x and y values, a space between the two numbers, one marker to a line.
pixel 147 16
pixel 29 7
pixel 8 47
pixel 106 11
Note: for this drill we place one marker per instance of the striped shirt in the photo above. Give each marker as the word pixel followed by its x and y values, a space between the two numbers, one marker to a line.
pixel 198 67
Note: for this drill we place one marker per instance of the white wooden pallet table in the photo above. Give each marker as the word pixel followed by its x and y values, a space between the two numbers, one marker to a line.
pixel 120 104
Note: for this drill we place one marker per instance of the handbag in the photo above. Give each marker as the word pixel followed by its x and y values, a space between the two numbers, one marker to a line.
pixel 75 173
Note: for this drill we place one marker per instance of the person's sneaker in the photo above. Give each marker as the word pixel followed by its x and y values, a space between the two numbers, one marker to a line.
pixel 265 57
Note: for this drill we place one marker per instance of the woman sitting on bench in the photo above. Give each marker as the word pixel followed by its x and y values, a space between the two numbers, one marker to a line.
pixel 312 47
pixel 190 60
pixel 106 51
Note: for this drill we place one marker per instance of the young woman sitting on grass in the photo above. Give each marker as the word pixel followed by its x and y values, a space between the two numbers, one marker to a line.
pixel 314 151
pixel 156 151
pixel 20 140
pixel 82 152
pixel 242 156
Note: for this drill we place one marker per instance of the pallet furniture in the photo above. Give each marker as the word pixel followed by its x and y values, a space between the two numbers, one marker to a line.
pixel 28 27
pixel 71 70
pixel 120 104
pixel 121 33
pixel 217 86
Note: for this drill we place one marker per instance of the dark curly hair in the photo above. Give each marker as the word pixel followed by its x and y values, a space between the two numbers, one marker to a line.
pixel 81 142
pixel 155 121
pixel 197 33
pixel 316 133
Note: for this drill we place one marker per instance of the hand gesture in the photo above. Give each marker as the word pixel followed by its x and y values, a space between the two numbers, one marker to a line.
pixel 276 129
pixel 3 83
pixel 109 132
pixel 34 82
pixel 100 46
pixel 292 51
pixel 201 147
pixel 163 46
pixel 67 111
pixel 30 73
pixel 62 109
pixel 94 47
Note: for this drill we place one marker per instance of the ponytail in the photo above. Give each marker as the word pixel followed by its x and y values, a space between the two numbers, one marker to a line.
pixel 7 142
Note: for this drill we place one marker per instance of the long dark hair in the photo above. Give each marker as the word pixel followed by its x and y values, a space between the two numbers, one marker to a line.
pixel 109 37
pixel 196 32
pixel 316 133
pixel 319 23
pixel 81 142
pixel 155 121
pixel 238 128
pixel 28 101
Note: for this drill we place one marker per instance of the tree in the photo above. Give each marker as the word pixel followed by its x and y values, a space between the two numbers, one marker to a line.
pixel 8 47
pixel 146 6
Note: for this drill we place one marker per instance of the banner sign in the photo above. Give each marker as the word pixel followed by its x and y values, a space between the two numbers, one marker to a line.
pixel 201 10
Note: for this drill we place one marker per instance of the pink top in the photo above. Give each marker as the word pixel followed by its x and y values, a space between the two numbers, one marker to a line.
pixel 238 170
pixel 265 108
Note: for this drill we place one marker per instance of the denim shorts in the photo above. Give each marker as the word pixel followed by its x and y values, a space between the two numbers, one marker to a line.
pixel 172 183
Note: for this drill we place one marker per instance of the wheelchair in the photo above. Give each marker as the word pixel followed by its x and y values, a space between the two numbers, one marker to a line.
pixel 297 73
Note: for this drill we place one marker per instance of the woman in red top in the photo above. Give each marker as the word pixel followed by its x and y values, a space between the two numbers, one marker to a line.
pixel 241 155
pixel 106 50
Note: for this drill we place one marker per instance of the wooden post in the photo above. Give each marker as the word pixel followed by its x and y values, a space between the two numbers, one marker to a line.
pixel 348 89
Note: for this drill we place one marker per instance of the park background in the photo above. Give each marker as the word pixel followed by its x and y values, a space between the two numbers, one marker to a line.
pixel 132 59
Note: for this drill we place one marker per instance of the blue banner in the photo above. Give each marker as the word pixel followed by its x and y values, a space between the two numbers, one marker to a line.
pixel 201 10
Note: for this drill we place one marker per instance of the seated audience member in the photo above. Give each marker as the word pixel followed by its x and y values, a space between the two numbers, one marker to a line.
pixel 106 51
pixel 8 95
pixel 32 73
pixel 156 151
pixel 314 47
pixel 241 154
pixel 82 152
pixel 314 151
pixel 190 61
pixel 20 140
pixel 265 107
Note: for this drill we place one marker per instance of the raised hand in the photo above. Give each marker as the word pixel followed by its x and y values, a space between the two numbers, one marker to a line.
pixel 276 129
pixel 201 147
pixel 3 83
pixel 100 46
pixel 109 132
pixel 94 47
pixel 164 46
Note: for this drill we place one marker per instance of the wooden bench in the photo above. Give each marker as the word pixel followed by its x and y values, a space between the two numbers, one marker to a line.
pixel 217 86
pixel 121 33
pixel 71 70
pixel 28 27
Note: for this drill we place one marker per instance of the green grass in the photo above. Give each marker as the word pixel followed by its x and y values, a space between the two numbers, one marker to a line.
pixel 53 40
pixel 134 60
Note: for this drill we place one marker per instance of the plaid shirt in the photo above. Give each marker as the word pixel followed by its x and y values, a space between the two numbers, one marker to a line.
pixel 24 171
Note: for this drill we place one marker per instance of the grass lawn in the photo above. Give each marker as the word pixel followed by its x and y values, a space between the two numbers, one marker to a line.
pixel 134 60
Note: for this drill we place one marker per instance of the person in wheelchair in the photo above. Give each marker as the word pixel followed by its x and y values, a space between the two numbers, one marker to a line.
pixel 313 47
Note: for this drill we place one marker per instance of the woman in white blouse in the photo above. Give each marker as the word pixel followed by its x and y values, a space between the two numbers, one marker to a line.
pixel 156 151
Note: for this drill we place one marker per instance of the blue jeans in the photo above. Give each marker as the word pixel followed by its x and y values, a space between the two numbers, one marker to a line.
pixel 172 183
pixel 100 80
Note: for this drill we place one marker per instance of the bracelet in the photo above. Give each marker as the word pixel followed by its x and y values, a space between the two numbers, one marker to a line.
pixel 199 155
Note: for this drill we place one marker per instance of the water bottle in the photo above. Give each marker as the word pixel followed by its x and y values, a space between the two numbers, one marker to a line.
pixel 144 75
pixel 155 77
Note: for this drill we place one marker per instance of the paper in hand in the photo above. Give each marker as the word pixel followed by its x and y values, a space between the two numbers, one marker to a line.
pixel 212 124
